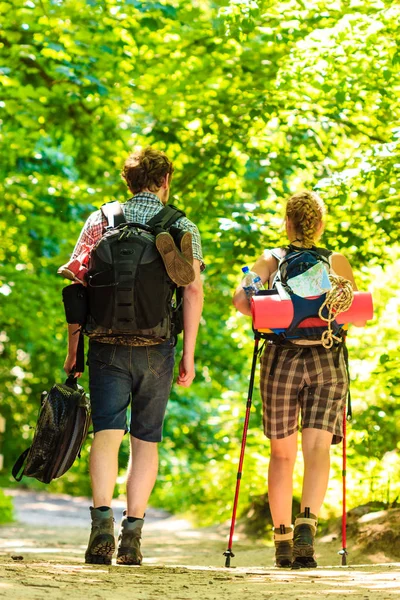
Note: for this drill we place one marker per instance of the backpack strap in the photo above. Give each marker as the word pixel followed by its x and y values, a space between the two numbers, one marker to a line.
pixel 166 217
pixel 113 213
pixel 323 252
pixel 19 463
pixel 278 254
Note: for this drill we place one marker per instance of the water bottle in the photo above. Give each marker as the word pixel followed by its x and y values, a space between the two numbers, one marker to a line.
pixel 251 282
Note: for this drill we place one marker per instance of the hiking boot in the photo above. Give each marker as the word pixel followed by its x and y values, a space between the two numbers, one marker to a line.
pixel 129 538
pixel 305 527
pixel 283 540
pixel 101 542
pixel 178 267
pixel 183 239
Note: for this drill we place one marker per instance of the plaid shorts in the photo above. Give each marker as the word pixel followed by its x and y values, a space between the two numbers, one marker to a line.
pixel 309 380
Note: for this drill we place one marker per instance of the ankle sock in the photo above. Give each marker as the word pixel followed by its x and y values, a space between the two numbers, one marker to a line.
pixel 102 508
pixel 133 519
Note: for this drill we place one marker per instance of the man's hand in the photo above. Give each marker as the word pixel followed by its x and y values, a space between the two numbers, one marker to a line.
pixel 186 371
pixel 69 365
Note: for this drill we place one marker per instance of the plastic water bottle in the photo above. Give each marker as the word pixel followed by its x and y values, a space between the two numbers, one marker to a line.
pixel 251 282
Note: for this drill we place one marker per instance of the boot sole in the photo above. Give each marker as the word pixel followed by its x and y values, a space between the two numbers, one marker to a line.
pixel 309 563
pixel 101 551
pixel 125 559
pixel 187 247
pixel 179 269
pixel 284 564
pixel 304 557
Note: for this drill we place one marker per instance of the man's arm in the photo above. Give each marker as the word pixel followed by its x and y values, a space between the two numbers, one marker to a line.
pixel 192 309
pixel 89 235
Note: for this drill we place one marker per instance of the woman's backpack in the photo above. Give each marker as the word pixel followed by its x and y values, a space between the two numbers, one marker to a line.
pixel 299 269
pixel 60 431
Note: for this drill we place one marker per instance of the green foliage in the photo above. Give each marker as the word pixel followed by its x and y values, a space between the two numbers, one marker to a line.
pixel 252 101
pixel 6 509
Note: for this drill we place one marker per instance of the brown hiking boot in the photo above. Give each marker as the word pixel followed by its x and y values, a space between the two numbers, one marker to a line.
pixel 178 267
pixel 305 528
pixel 101 542
pixel 129 542
pixel 283 540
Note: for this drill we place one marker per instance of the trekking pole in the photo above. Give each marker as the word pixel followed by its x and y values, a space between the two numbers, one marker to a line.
pixel 347 416
pixel 343 552
pixel 228 553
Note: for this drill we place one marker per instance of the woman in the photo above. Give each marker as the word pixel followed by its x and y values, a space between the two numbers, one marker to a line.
pixel 300 377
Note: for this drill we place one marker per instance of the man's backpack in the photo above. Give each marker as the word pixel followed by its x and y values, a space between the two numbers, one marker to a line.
pixel 60 431
pixel 128 289
pixel 294 262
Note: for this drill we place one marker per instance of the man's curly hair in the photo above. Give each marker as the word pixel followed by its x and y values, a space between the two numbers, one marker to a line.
pixel 145 169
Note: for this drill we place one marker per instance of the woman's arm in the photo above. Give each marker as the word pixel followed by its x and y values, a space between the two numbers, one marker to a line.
pixel 264 266
pixel 342 267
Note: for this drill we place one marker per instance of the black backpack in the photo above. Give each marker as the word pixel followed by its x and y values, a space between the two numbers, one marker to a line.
pixel 129 292
pixel 295 262
pixel 60 431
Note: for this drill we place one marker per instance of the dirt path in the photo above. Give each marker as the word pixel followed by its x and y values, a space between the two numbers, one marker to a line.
pixel 181 563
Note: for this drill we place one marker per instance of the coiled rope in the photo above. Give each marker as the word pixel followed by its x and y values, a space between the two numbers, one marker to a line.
pixel 338 299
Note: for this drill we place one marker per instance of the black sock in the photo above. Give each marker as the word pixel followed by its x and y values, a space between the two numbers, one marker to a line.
pixel 133 519
pixel 103 508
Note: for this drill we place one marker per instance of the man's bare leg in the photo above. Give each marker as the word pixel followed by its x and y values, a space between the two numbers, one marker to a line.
pixel 104 465
pixel 142 475
pixel 103 474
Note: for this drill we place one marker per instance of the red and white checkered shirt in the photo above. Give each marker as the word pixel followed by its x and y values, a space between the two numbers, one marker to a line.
pixel 139 209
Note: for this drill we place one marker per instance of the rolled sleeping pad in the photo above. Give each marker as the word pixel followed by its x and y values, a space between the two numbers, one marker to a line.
pixel 269 311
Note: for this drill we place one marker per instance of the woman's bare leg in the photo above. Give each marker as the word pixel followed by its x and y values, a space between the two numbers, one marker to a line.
pixel 280 479
pixel 316 445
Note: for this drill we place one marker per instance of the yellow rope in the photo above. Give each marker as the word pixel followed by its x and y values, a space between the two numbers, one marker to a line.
pixel 337 300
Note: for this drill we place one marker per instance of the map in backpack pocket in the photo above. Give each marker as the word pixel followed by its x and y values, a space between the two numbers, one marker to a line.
pixel 313 282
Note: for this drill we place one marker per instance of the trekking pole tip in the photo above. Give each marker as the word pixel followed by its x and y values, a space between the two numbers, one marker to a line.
pixel 228 554
pixel 343 553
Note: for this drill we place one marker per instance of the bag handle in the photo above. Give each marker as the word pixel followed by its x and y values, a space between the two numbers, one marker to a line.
pixel 19 463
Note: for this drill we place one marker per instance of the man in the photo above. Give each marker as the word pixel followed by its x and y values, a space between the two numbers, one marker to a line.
pixel 127 371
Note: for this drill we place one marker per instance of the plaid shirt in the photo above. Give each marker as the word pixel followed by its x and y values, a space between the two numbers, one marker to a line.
pixel 139 209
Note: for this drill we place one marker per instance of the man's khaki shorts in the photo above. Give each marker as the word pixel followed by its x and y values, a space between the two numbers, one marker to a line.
pixel 311 381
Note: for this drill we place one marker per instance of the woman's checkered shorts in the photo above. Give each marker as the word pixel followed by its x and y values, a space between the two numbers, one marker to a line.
pixel 310 380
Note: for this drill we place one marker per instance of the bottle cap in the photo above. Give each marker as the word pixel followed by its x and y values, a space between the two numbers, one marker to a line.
pixel 245 269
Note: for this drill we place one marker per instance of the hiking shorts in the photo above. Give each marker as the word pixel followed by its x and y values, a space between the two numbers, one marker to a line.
pixel 307 381
pixel 138 378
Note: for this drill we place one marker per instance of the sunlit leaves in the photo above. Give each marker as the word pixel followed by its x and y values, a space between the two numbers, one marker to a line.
pixel 253 101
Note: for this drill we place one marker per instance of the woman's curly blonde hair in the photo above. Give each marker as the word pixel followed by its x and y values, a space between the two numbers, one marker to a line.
pixel 305 211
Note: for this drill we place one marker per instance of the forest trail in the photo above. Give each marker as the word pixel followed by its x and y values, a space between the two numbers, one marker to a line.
pixel 41 556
